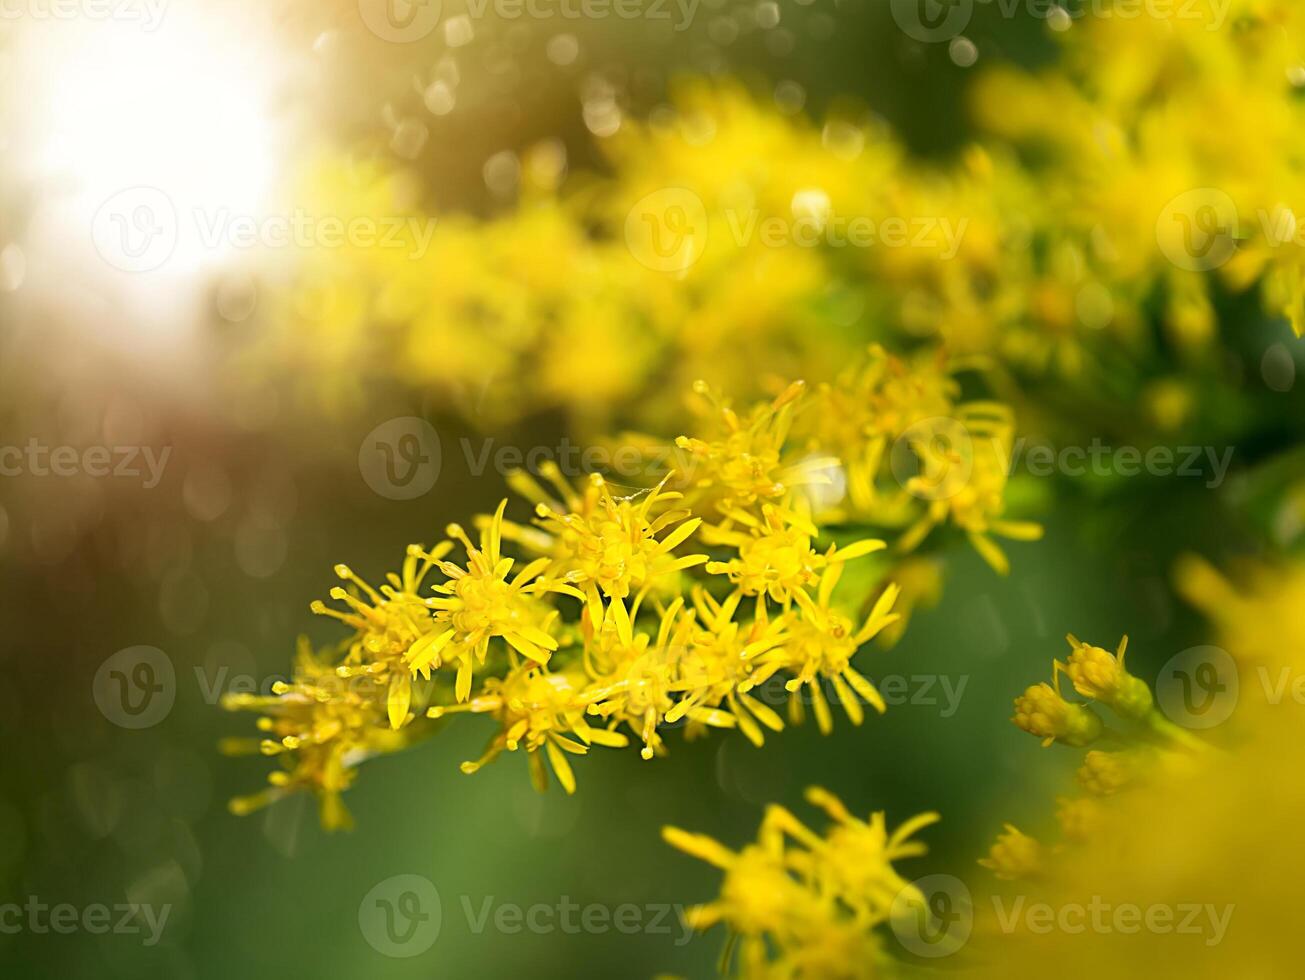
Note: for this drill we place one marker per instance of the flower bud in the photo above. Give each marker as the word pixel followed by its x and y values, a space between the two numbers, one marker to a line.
pixel 1042 712
pixel 1100 675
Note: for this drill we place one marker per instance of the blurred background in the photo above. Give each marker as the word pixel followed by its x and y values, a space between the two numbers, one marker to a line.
pixel 229 495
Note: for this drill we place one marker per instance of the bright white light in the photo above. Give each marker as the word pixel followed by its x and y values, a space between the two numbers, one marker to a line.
pixel 133 142
pixel 178 109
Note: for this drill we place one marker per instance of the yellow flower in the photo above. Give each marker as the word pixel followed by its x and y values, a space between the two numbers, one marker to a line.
pixel 1097 674
pixel 744 461
pixel 536 709
pixel 1042 712
pixel 861 415
pixel 634 676
pixel 613 548
pixel 1014 855
pixel 388 622
pixel 320 725
pixel 775 554
pixel 715 669
pixel 1106 773
pixel 820 645
pixel 1258 619
pixel 803 905
pixel 965 462
pixel 480 602
pixel 759 896
pixel 854 859
pixel 1080 819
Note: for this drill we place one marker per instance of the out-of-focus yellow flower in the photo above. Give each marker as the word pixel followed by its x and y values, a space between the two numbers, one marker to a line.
pixel 321 725
pixel 1259 622
pixel 742 462
pixel 803 904
pixel 1014 855
pixel 1106 773
pixel 965 464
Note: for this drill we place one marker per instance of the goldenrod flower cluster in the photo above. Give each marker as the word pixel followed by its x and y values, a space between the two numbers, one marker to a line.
pixel 1114 183
pixel 801 904
pixel 1116 190
pixel 1164 823
pixel 1138 740
pixel 704 600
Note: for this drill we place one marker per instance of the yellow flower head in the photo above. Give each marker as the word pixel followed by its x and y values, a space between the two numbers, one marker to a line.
pixel 1080 819
pixel 1106 773
pixel 612 547
pixel 801 904
pixel 716 667
pixel 759 895
pixel 320 725
pixel 388 623
pixel 636 677
pixel 821 643
pixel 1015 855
pixel 855 858
pixel 1099 675
pixel 1042 712
pixel 868 408
pixel 387 620
pixel 965 463
pixel 479 602
pixel 744 461
pixel 536 709
pixel 775 555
